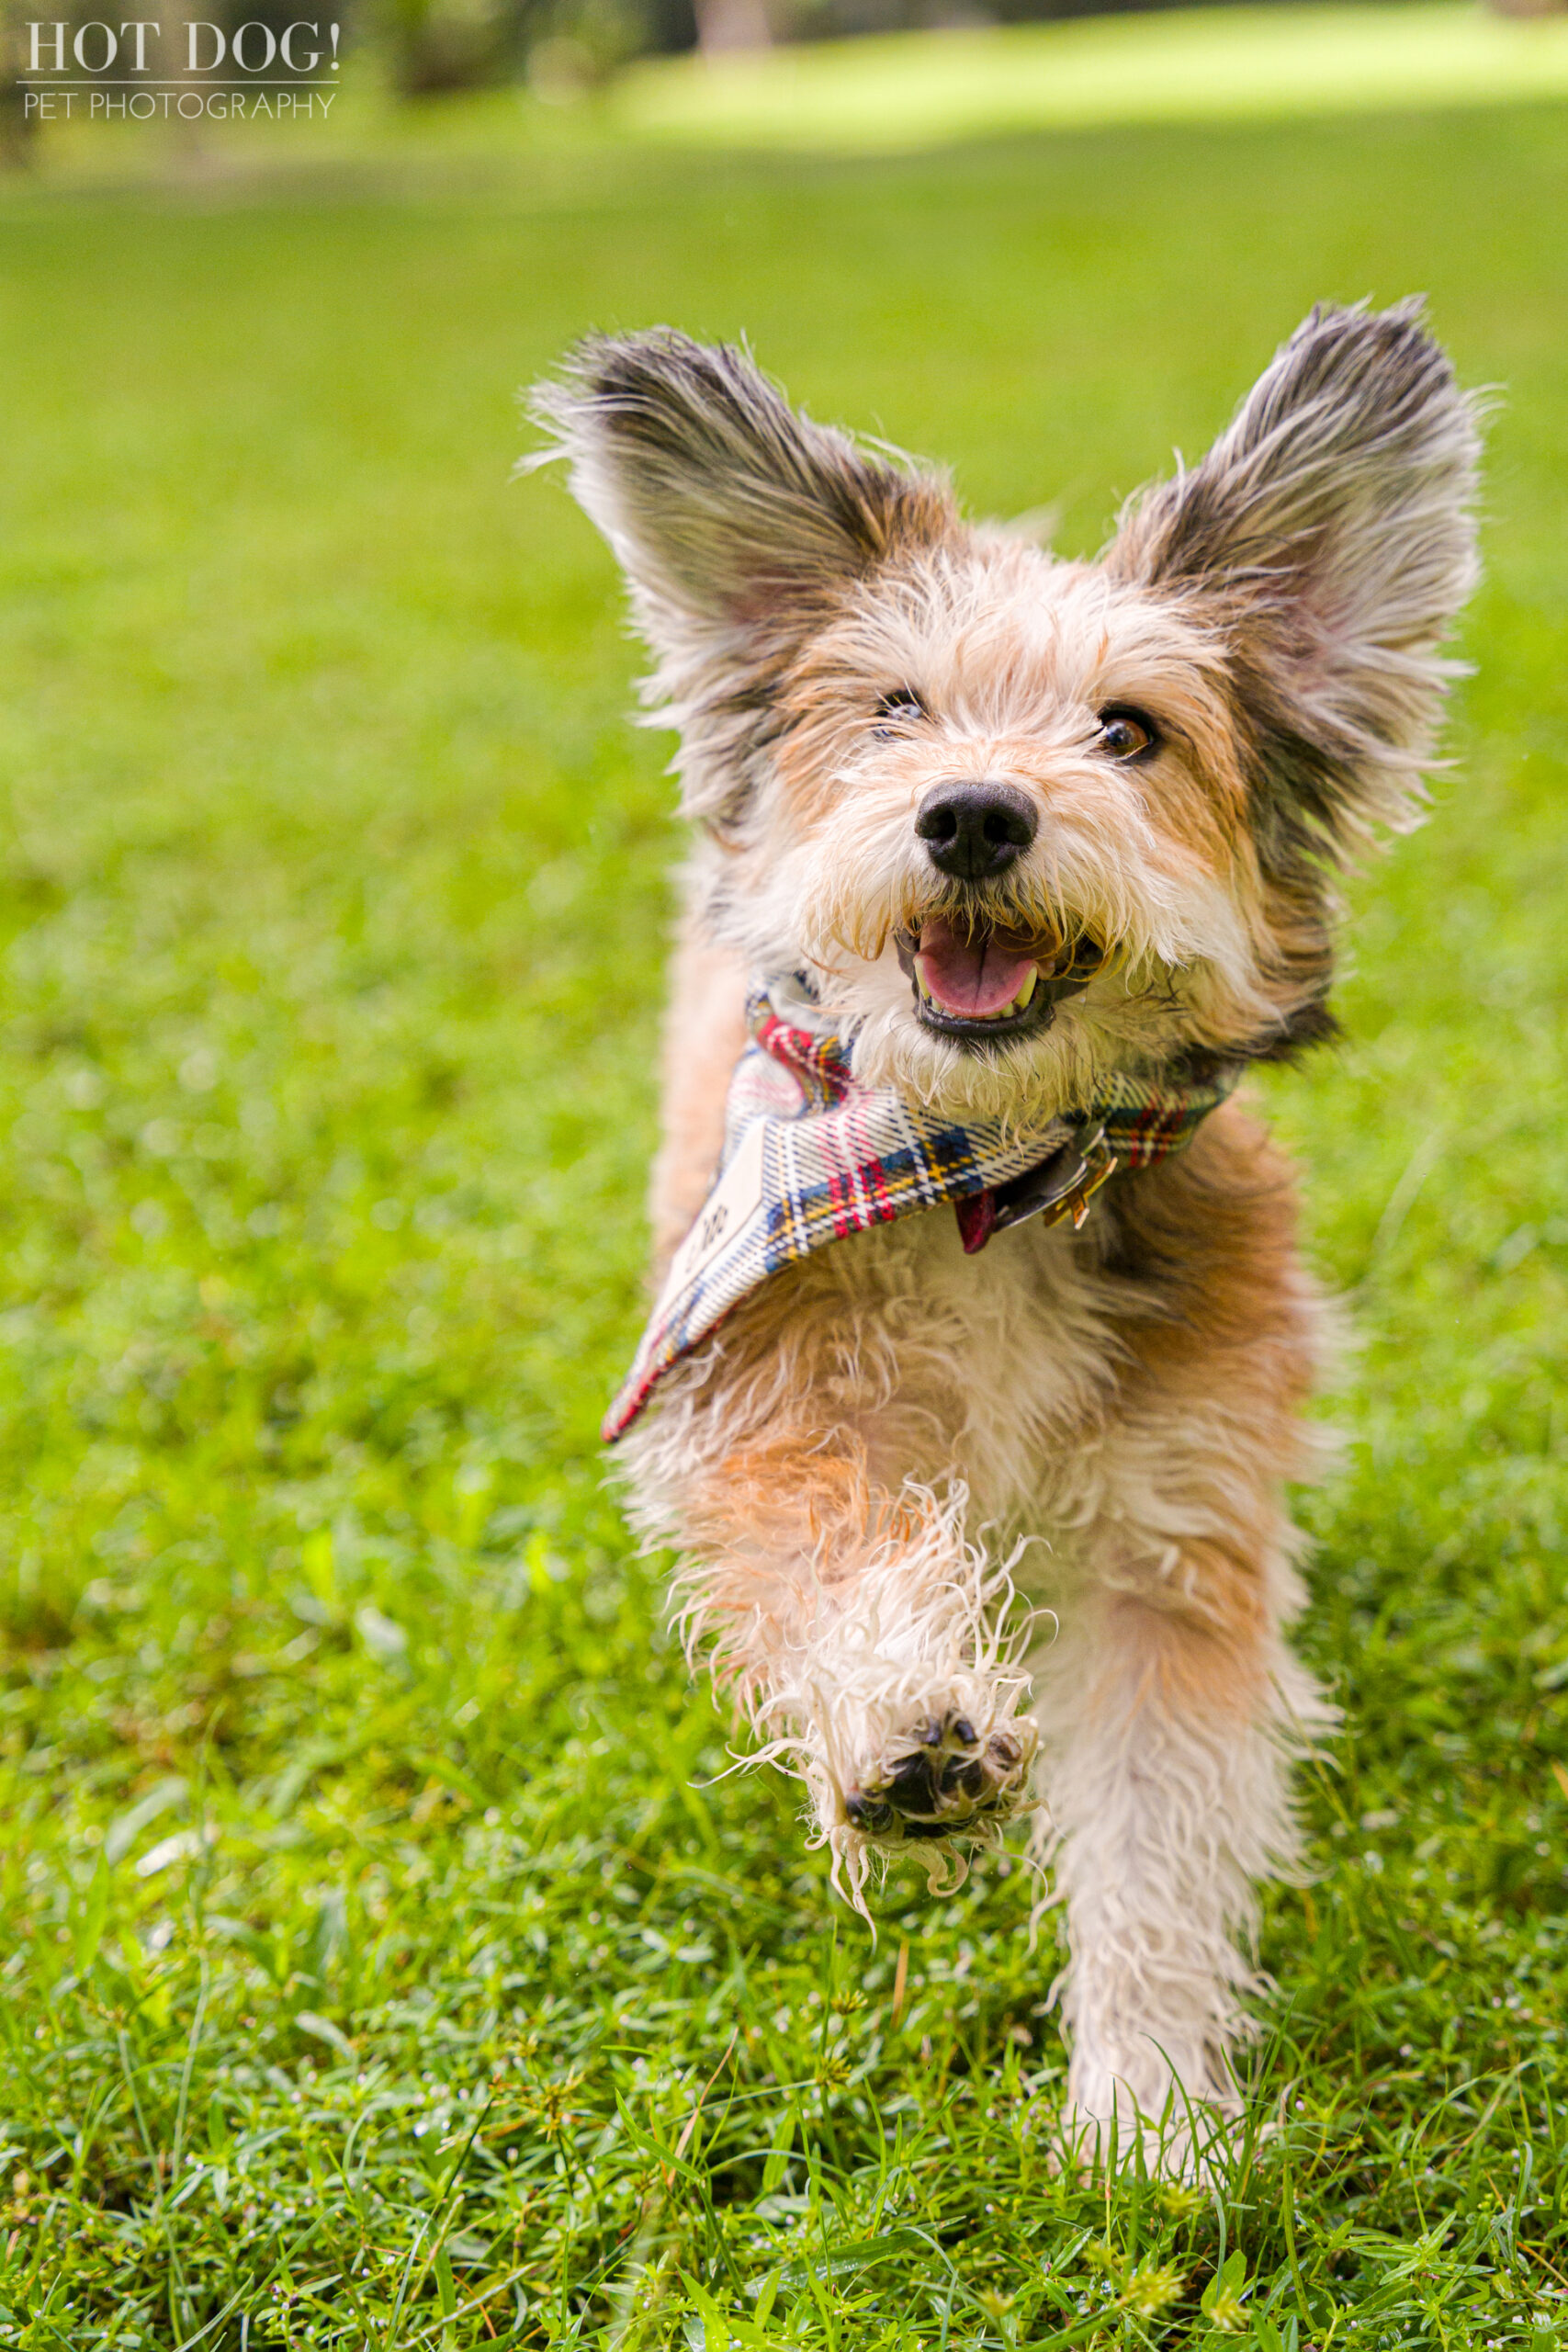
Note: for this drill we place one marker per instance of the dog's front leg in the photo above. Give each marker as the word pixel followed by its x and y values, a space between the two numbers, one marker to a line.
pixel 1170 1709
pixel 857 1628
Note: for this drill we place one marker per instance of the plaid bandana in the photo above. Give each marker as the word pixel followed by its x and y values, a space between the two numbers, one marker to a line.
pixel 811 1155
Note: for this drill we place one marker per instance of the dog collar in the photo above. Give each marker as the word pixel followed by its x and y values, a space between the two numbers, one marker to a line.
pixel 811 1155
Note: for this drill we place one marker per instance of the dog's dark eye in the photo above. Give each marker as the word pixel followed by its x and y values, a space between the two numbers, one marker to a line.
pixel 902 707
pixel 1127 734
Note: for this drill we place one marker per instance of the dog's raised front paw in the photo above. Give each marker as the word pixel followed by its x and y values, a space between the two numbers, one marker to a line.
pixel 943 1780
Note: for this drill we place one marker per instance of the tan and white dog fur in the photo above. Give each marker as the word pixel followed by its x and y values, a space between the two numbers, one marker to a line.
pixel 1200 730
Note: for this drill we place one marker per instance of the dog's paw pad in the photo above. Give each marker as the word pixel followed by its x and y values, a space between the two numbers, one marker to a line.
pixel 945 1779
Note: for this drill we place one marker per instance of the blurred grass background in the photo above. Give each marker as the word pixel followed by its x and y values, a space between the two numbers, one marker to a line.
pixel 382 1966
pixel 541 79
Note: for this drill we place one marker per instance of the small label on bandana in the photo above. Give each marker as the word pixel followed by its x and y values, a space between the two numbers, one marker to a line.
pixel 723 1222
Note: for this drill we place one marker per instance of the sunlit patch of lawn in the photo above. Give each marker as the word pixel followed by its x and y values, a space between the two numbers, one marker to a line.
pixel 904 91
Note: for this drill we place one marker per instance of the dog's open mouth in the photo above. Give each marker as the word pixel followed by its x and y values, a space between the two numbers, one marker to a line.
pixel 979 982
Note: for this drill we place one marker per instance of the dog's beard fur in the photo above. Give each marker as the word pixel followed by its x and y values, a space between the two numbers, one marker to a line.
pixel 833 641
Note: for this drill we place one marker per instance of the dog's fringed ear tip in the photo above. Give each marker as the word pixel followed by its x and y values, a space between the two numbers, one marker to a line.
pixel 1326 542
pixel 534 461
pixel 1350 385
pixel 1404 326
pixel 561 404
pixel 736 517
pixel 619 385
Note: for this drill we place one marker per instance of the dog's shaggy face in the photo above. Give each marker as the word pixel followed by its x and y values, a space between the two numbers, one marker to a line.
pixel 1009 828
pixel 1024 821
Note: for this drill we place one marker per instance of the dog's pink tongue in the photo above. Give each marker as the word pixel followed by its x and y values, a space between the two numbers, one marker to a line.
pixel 968 977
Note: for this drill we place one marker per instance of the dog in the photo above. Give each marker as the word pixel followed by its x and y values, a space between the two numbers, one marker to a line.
pixel 977 1277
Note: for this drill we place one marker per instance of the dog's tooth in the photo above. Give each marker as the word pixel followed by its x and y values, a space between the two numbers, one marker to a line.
pixel 1026 993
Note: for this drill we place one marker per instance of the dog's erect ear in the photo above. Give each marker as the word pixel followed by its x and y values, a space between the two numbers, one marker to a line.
pixel 739 523
pixel 1327 536
pixel 729 511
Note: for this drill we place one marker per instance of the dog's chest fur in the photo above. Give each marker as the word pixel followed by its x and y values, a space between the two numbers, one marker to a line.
pixel 997 1369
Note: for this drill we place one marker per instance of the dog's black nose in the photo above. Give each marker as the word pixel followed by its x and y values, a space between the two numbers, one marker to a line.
pixel 973 831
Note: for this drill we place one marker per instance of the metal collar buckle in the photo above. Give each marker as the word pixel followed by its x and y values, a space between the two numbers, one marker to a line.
pixel 1062 1185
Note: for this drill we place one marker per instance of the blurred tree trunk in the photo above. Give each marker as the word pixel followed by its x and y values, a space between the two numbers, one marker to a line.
pixel 17 128
pixel 727 25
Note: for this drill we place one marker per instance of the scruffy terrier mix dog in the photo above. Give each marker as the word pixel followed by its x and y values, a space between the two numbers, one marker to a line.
pixel 1006 869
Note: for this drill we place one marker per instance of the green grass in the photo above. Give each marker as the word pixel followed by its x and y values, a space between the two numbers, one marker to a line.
pixel 385 1966
pixel 907 91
